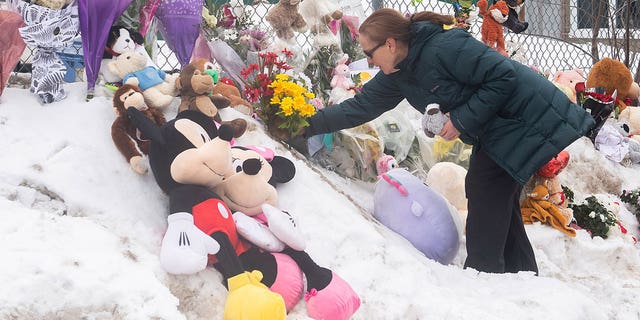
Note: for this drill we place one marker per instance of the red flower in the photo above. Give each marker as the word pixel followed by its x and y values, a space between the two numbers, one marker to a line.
pixel 600 97
pixel 258 76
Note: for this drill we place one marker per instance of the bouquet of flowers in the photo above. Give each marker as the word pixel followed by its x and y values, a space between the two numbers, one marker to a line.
pixel 594 217
pixel 282 100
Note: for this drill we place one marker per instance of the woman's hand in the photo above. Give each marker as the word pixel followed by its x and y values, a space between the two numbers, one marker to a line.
pixel 449 132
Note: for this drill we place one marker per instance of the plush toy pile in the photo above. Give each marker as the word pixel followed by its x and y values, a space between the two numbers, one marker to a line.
pixel 191 159
pixel 157 87
pixel 119 41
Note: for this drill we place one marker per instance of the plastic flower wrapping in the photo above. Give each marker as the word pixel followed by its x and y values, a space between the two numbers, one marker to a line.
pixel 48 30
pixel 281 97
pixel 226 23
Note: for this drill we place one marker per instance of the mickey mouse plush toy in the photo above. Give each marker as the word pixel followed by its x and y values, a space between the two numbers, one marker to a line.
pixel 250 192
pixel 189 157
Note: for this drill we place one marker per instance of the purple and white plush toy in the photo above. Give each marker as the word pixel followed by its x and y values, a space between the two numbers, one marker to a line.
pixel 406 205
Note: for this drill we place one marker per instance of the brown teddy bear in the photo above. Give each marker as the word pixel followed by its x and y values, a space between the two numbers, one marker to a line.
pixel 284 18
pixel 196 93
pixel 227 91
pixel 318 14
pixel 614 75
pixel 124 133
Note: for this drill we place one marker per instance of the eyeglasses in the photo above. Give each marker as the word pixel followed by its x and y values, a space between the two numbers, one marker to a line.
pixel 369 53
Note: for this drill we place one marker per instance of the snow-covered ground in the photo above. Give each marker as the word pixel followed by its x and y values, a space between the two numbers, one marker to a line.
pixel 81 232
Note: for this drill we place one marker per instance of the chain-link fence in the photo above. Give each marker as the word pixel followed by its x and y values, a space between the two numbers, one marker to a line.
pixel 560 35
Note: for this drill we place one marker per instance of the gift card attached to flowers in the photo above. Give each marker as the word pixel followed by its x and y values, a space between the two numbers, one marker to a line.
pixel 281 96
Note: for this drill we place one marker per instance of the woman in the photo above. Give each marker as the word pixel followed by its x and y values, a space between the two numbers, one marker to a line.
pixel 515 119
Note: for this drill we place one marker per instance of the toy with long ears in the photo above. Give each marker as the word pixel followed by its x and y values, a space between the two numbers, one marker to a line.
pixel 189 157
pixel 251 193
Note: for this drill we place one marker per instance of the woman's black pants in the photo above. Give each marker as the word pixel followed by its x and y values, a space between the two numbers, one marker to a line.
pixel 496 239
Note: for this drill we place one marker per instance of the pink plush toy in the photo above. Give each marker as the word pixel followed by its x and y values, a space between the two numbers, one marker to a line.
pixel 567 80
pixel 386 163
pixel 342 75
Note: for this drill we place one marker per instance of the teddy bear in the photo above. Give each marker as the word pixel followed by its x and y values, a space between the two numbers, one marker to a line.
pixel 318 14
pixel 566 81
pixel 196 93
pixel 537 207
pixel 613 75
pixel 157 87
pixel 433 120
pixel 124 133
pixel 119 40
pixel 223 89
pixel 513 23
pixel 491 29
pixel 630 117
pixel 251 193
pixel 189 156
pixel 284 18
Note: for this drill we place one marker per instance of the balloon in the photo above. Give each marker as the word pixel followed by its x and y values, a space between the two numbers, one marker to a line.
pixel 11 44
pixel 406 205
pixel 96 18
pixel 179 22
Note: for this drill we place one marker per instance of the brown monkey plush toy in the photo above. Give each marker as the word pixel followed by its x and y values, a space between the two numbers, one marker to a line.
pixel 124 133
pixel 196 93
pixel 226 90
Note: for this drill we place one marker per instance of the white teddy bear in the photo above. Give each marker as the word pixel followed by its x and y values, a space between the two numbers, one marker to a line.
pixel 157 87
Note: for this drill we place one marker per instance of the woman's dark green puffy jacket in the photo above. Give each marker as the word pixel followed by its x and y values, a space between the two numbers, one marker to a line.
pixel 520 119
